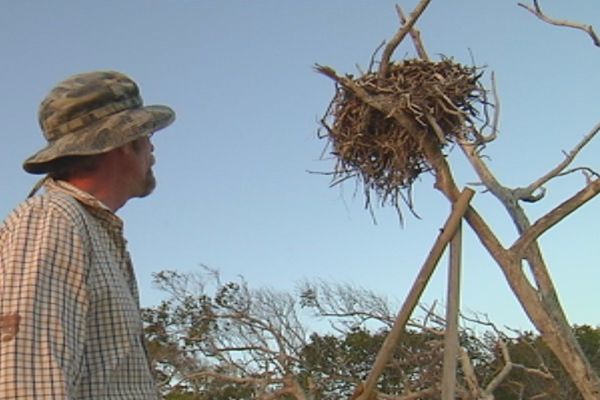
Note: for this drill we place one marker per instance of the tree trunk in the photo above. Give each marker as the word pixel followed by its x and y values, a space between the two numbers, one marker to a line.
pixel 542 308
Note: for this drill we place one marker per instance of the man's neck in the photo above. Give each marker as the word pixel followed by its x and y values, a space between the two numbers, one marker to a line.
pixel 100 190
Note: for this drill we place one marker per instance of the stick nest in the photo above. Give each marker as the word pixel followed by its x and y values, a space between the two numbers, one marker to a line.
pixel 418 103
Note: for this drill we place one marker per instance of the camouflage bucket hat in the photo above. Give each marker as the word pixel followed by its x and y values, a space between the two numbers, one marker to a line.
pixel 92 113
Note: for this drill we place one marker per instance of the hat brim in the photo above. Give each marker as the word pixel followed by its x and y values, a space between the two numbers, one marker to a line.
pixel 107 134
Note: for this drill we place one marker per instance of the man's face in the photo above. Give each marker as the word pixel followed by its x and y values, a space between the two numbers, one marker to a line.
pixel 143 181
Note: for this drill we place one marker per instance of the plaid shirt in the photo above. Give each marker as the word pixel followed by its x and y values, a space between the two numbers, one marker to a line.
pixel 70 325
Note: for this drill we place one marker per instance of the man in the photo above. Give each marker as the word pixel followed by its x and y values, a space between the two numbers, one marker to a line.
pixel 70 325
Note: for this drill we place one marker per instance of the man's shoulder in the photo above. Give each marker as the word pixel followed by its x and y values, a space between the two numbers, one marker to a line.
pixel 49 205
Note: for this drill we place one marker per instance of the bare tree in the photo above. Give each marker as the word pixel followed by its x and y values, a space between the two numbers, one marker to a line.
pixel 390 125
pixel 226 332
pixel 223 340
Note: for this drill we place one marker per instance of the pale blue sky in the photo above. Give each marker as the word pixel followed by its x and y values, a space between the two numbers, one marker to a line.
pixel 234 192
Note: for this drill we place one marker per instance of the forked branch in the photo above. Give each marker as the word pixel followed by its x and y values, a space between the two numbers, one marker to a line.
pixel 556 215
pixel 537 11
pixel 415 35
pixel 400 35
pixel 524 193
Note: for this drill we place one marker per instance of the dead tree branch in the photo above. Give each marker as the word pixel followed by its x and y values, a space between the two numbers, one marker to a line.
pixel 415 36
pixel 496 118
pixel 537 11
pixel 399 36
pixel 529 191
pixel 555 216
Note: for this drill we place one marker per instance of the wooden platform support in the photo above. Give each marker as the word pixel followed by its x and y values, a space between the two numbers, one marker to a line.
pixel 446 235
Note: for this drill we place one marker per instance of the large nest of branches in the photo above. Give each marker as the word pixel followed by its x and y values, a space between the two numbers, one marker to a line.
pixel 379 127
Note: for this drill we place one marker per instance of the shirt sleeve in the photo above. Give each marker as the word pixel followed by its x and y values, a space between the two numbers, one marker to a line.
pixel 43 302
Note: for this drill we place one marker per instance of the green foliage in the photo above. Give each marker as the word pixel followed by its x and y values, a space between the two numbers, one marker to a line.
pixel 589 340
pixel 231 343
pixel 338 364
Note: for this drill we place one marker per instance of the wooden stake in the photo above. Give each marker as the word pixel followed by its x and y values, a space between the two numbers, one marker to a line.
pixel 452 310
pixel 450 227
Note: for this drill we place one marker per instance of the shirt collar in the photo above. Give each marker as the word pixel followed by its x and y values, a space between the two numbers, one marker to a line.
pixel 80 195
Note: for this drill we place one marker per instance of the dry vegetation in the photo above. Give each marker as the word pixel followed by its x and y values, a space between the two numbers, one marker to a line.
pixel 444 99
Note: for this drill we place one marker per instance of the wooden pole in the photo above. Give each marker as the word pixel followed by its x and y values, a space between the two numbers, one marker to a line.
pixel 452 310
pixel 447 233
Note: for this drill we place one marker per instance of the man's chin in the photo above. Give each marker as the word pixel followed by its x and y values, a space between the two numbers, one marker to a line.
pixel 149 186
